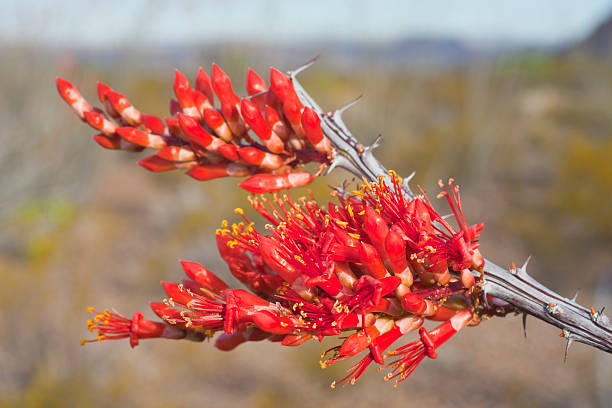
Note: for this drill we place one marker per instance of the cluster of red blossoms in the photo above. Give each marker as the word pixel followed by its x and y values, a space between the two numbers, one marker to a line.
pixel 371 267
pixel 268 135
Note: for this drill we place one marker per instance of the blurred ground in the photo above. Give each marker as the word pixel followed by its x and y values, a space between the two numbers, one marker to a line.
pixel 528 137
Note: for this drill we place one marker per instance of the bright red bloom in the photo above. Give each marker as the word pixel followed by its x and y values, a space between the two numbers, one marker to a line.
pixel 373 266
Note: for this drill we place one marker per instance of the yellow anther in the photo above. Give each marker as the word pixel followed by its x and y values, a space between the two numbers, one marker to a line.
pixel 341 223
pixel 283 324
pixel 239 211
pixel 333 385
pixel 394 175
pixel 90 309
pixel 361 212
pixel 356 236
pixel 83 341
pixel 350 210
pixel 225 224
pixel 323 365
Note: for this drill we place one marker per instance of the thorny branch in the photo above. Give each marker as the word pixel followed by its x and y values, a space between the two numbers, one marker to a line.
pixel 514 286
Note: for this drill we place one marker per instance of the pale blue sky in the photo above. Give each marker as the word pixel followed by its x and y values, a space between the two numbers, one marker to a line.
pixel 151 22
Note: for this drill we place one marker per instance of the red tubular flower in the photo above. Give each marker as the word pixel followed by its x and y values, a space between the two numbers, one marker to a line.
pixel 413 353
pixel 373 266
pixel 113 326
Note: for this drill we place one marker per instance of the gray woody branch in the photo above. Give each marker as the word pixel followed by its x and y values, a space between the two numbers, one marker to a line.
pixel 514 286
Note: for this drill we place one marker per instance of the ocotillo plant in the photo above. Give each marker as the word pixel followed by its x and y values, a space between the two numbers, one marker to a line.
pixel 372 265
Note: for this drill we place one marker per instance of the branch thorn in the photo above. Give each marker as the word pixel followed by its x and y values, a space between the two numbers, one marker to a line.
pixel 525 324
pixel 522 271
pixel 570 340
pixel 340 160
pixel 340 111
pixel 307 65
pixel 377 143
pixel 524 267
pixel 573 299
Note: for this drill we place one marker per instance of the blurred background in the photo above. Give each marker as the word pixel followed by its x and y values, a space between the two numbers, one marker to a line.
pixel 513 100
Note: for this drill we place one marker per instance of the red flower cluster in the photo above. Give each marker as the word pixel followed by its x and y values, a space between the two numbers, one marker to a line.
pixel 373 266
pixel 268 135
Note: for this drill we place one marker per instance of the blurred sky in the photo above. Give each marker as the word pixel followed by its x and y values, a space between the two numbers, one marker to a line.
pixel 159 22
